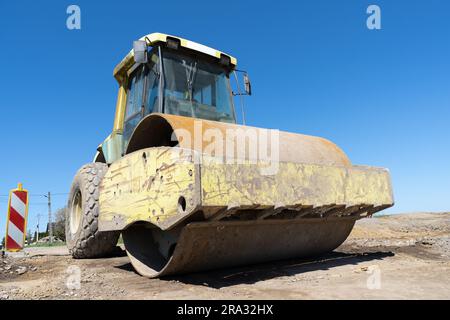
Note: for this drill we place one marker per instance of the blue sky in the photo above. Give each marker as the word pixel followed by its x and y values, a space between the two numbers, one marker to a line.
pixel 381 95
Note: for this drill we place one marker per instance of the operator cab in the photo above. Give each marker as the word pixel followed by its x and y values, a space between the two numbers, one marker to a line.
pixel 176 80
pixel 167 74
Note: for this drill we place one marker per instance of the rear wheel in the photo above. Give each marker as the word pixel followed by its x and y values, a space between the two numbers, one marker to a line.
pixel 82 236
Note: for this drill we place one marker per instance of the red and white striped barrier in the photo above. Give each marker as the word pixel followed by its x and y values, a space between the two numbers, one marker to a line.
pixel 17 219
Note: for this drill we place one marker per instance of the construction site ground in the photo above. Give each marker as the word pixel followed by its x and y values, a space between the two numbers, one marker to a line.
pixel 388 257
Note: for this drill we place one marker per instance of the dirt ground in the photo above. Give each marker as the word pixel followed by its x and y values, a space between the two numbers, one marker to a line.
pixel 388 257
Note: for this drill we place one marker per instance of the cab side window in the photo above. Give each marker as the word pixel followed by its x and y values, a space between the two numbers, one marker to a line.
pixel 151 104
pixel 134 94
pixel 133 113
pixel 142 95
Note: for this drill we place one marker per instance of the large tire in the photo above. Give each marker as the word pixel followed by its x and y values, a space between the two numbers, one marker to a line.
pixel 82 236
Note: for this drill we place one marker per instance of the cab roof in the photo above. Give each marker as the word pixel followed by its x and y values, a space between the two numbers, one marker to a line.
pixel 154 38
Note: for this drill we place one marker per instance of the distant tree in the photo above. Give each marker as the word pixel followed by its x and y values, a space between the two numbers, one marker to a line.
pixel 59 227
pixel 41 235
pixel 3 242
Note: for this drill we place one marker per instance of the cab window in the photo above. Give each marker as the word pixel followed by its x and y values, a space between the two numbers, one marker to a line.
pixel 142 95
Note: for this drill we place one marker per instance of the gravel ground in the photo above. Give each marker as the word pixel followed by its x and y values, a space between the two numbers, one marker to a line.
pixel 388 257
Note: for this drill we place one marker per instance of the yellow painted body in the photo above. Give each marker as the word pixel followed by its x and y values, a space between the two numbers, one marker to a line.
pixel 294 184
pixel 148 188
pixel 314 178
pixel 153 38
pixel 120 109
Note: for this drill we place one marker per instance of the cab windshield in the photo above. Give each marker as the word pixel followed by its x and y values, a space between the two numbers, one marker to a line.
pixel 196 88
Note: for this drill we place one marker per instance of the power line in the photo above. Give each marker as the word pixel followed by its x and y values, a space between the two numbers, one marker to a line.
pixel 53 194
pixel 40 195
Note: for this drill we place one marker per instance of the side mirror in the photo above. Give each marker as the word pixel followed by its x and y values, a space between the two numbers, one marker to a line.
pixel 140 51
pixel 247 84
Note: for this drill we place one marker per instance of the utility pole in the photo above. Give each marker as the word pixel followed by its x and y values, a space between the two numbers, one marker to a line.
pixel 37 235
pixel 50 228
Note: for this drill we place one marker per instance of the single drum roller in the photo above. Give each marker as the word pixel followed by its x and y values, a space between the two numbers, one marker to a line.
pixel 191 190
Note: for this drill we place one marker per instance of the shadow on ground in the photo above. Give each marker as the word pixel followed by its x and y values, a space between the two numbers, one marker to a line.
pixel 254 273
pixel 116 252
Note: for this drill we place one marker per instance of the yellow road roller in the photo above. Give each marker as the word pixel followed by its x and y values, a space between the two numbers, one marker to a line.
pixel 190 190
